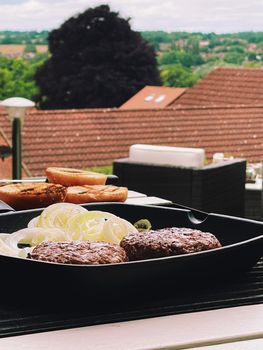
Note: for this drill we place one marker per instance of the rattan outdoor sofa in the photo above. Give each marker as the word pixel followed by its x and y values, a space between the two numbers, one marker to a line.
pixel 218 188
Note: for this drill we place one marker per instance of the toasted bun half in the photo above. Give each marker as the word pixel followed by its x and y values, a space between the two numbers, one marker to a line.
pixel 32 195
pixel 74 177
pixel 96 193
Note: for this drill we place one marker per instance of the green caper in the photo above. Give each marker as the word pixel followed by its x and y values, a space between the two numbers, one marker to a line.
pixel 143 225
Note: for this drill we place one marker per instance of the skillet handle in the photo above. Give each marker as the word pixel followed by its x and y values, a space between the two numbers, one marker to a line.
pixel 198 214
pixel 112 180
pixel 5 207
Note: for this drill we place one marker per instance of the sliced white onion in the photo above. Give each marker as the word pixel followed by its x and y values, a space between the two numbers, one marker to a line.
pixel 98 225
pixel 56 215
pixel 3 236
pixel 66 222
pixel 33 223
pixel 109 232
pixel 5 249
pixel 34 236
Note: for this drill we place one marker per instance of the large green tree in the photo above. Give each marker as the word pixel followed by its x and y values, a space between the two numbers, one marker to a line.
pixel 96 61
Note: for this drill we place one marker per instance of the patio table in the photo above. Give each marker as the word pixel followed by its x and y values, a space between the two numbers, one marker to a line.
pixel 237 328
pixel 219 317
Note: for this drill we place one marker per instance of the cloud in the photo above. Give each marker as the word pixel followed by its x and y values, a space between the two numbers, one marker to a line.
pixel 169 15
pixel 38 14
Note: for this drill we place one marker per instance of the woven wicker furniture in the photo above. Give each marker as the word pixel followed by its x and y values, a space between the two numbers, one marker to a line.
pixel 218 188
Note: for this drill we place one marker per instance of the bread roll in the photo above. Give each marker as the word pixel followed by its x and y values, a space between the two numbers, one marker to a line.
pixel 96 193
pixel 74 177
pixel 32 195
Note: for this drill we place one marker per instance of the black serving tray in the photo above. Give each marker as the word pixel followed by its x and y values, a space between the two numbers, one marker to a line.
pixel 242 247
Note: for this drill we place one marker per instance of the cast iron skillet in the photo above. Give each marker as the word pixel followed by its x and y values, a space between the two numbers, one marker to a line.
pixel 242 242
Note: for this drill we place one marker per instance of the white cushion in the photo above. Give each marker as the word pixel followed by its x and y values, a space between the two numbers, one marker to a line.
pixel 177 156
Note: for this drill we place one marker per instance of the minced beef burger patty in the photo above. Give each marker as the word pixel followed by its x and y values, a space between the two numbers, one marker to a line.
pixel 167 242
pixel 79 252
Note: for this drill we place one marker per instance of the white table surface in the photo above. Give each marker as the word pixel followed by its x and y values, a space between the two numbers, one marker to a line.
pixel 142 199
pixel 148 201
pixel 233 327
pixel 135 194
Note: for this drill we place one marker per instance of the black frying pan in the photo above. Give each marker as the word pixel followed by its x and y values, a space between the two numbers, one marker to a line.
pixel 242 247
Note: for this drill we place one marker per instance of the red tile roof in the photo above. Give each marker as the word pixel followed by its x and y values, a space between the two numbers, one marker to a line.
pixel 225 86
pixel 153 97
pixel 5 162
pixel 83 138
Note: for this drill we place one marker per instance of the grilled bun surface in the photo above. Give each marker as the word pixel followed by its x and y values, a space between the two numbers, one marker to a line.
pixel 32 195
pixel 96 193
pixel 74 177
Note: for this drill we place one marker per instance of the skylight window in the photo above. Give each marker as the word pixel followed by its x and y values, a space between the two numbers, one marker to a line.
pixel 160 98
pixel 149 98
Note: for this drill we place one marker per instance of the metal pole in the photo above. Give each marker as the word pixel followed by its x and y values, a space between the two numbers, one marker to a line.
pixel 17 148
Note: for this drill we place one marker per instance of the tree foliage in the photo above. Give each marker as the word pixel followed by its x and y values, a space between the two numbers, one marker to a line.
pixel 188 56
pixel 96 61
pixel 201 52
pixel 234 58
pixel 30 48
pixel 19 37
pixel 178 76
pixel 17 77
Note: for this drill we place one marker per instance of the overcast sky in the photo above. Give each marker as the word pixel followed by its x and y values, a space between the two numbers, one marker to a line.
pixel 169 15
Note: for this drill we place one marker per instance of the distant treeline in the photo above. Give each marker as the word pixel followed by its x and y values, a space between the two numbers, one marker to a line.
pixel 183 58
pixel 17 37
pixel 155 37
